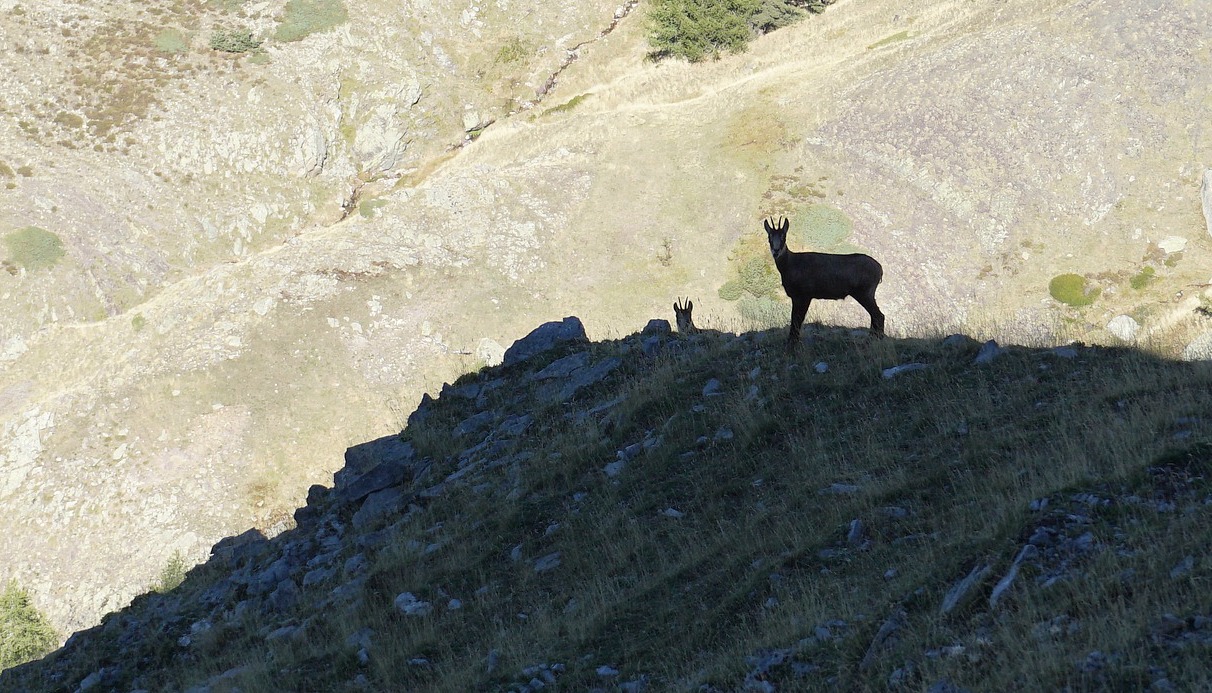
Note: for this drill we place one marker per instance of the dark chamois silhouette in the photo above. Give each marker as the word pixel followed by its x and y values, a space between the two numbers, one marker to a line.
pixel 823 275
pixel 684 320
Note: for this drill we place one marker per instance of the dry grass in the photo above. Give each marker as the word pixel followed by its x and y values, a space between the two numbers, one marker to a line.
pixel 945 463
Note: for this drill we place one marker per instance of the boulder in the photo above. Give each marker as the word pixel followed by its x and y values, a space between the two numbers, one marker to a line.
pixel 490 352
pixel 389 473
pixel 363 457
pixel 1200 349
pixel 1124 328
pixel 544 337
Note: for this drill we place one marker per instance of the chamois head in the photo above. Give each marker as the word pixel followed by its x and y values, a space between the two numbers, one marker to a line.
pixel 777 235
pixel 684 320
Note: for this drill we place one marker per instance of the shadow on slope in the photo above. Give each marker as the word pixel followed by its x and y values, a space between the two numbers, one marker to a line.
pixel 706 513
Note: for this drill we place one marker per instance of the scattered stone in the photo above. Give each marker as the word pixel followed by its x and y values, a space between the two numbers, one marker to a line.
pixel 1172 244
pixel 378 505
pixel 962 591
pixel 1123 328
pixel 854 535
pixel 563 368
pixel 615 468
pixel 387 473
pixel 956 340
pixel 408 603
pixel 1007 581
pixel 285 597
pixel 544 337
pixel 363 457
pixel 989 351
pixel 890 373
pixel 1200 349
pixel 490 352
pixel 723 435
pixel 820 367
pixel 657 326
pixel 473 424
pixel 1064 352
pixel 884 639
pixel 839 489
pixel 454 604
pixel 549 562
pixel 1184 567
pixel 672 512
pixel 606 671
pixel 713 388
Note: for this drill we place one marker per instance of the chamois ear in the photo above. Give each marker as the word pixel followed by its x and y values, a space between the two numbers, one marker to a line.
pixel 785 225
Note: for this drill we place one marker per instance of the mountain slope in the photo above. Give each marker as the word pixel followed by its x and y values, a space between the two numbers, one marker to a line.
pixel 674 513
pixel 151 385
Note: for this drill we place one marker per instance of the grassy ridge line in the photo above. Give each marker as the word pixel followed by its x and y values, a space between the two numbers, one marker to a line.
pixel 725 552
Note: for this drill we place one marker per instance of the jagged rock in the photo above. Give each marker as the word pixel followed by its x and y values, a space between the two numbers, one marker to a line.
pixel 854 534
pixel 388 473
pixel 545 337
pixel 269 578
pixel 317 575
pixel 473 424
pixel 1064 352
pixel 240 549
pixel 422 411
pixel 564 367
pixel 1123 327
pixel 962 591
pixel 989 351
pixel 577 380
pixel 957 340
pixel 285 597
pixel 387 502
pixel 1172 244
pixel 287 633
pixel 713 388
pixel 363 457
pixel 408 603
pixel 1183 568
pixel 515 425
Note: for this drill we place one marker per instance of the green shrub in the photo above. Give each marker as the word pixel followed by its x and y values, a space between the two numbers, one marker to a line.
pixel 759 277
pixel 302 18
pixel 1143 278
pixel 234 41
pixel 700 29
pixel 172 574
pixel 514 50
pixel 731 290
pixel 763 312
pixel 34 248
pixel 1073 290
pixel 25 634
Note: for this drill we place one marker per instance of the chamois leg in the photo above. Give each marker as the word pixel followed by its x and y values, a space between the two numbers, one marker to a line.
pixel 799 309
pixel 867 301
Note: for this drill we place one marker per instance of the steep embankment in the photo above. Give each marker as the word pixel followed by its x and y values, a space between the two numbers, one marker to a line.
pixel 706 513
pixel 153 389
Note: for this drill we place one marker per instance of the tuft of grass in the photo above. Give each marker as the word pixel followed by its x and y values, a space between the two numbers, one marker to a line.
pixel 302 18
pixel 25 634
pixel 570 104
pixel 894 38
pixel 1143 278
pixel 34 248
pixel 172 574
pixel 1073 290
pixel 512 51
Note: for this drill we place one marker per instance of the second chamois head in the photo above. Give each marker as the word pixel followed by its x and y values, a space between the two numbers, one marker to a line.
pixel 684 319
pixel 823 275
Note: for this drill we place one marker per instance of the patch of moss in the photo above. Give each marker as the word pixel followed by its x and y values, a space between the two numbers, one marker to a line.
pixel 367 208
pixel 171 41
pixel 824 229
pixel 512 51
pixel 731 290
pixel 569 104
pixel 138 322
pixel 1143 278
pixel 1073 290
pixel 34 248
pixel 301 18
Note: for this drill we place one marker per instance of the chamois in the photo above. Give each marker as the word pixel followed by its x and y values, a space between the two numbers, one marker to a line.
pixel 684 320
pixel 823 275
